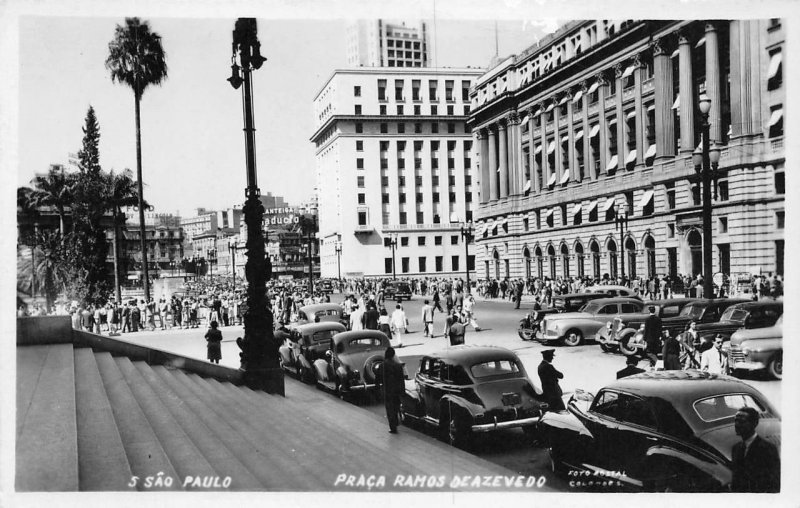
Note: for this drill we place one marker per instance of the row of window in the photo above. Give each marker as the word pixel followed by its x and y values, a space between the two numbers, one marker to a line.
pixel 392 43
pixel 358 110
pixel 418 181
pixel 416 86
pixel 422 264
pixel 401 198
pixel 421 240
pixel 401 128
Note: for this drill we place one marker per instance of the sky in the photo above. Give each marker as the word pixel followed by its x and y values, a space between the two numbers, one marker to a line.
pixel 192 138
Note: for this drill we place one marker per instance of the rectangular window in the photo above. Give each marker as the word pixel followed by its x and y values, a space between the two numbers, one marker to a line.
pixel 359 163
pixel 381 89
pixel 468 197
pixel 357 91
pixel 400 109
pixel 454 240
pixel 451 128
pixel 451 197
pixel 722 190
pixel 403 241
pixel 420 218
pixel 404 264
pixel 384 198
pixel 780 183
pixel 417 110
pixel 362 199
pixel 359 127
pixel 435 197
pixel 421 241
pixel 435 180
pixel 439 263
pixel 398 90
pixel 415 84
pixel 359 146
pixel 465 91
pixel 419 197
pixel 670 196
pixel 360 181
pixel 387 265
pixel 435 128
pixel 466 109
pixel 417 128
pixel 432 86
pixel 401 128
pixel 402 198
pixel 434 109
pixel 382 109
pixel 384 146
pixel 450 110
pixel 358 109
pixel 362 218
pixel 448 90
pixel 384 128
pixel 401 181
pixel 780 218
pixel 437 240
pixel 403 218
pixel 722 225
pixel 385 181
pixel 422 264
pixel 670 230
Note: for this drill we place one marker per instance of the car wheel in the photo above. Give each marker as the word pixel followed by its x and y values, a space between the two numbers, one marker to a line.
pixel 526 333
pixel 458 431
pixel 775 366
pixel 606 348
pixel 626 347
pixel 573 338
pixel 372 368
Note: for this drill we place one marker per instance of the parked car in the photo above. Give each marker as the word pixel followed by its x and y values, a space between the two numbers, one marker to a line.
pixel 463 390
pixel 663 430
pixel 757 349
pixel 573 328
pixel 616 335
pixel 571 302
pixel 397 290
pixel 305 344
pixel 353 362
pixel 613 291
pixel 325 286
pixel 320 312
pixel 702 310
pixel 749 315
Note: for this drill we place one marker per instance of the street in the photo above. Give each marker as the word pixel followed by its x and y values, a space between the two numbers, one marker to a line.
pixel 585 367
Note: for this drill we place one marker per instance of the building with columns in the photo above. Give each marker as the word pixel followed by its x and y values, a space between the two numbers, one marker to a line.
pixel 394 164
pixel 599 121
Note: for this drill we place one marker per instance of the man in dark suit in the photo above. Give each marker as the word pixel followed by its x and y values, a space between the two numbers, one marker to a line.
pixel 652 336
pixel 756 462
pixel 393 387
pixel 630 367
pixel 549 376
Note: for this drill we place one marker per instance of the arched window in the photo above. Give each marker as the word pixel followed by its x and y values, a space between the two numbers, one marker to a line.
pixel 526 256
pixel 630 250
pixel 595 250
pixel 551 255
pixel 579 258
pixel 565 261
pixel 650 256
pixel 496 257
pixel 612 259
pixel 695 241
pixel 539 263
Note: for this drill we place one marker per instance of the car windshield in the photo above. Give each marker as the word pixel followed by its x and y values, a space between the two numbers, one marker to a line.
pixel 591 307
pixel 494 368
pixel 724 406
pixel 329 312
pixel 364 342
pixel 735 315
pixel 692 311
pixel 324 335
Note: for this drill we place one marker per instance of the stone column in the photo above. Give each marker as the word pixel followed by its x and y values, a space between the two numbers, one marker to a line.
pixel 737 103
pixel 601 101
pixel 622 142
pixel 483 139
pixel 686 82
pixel 754 63
pixel 545 163
pixel 587 152
pixel 493 162
pixel 572 166
pixel 558 159
pixel 712 82
pixel 502 142
pixel 637 101
pixel 662 81
pixel 531 154
pixel 514 149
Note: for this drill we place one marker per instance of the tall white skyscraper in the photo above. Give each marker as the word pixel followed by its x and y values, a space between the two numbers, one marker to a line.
pixel 389 43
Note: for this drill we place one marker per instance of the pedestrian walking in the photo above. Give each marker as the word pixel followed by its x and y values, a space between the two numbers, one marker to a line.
pixel 457 330
pixel 436 303
pixel 714 360
pixel 756 461
pixel 427 318
pixel 549 376
pixel 393 387
pixel 652 336
pixel 469 312
pixel 399 321
pixel 214 341
pixel 385 325
pixel 671 352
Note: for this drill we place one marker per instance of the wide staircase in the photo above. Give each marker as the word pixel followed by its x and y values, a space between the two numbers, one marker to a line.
pixel 90 421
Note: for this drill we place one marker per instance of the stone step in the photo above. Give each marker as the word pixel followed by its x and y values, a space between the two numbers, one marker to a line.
pixel 183 454
pixel 102 462
pixel 217 454
pixel 47 443
pixel 146 455
pixel 252 456
pixel 272 451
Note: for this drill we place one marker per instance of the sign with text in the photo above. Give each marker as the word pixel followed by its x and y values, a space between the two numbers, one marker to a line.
pixel 283 216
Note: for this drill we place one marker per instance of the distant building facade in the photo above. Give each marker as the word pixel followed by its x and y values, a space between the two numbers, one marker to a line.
pixel 601 119
pixel 164 241
pixel 386 43
pixel 393 162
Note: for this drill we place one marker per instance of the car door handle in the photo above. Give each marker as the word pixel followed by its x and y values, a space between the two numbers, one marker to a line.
pixel 651 438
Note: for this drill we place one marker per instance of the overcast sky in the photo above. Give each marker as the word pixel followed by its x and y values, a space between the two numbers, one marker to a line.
pixel 192 140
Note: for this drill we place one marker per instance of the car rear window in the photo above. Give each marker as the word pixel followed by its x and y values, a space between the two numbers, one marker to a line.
pixel 724 406
pixel 323 336
pixel 494 368
pixel 365 342
pixel 692 311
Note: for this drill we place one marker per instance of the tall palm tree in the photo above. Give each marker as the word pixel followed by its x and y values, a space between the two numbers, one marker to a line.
pixel 120 191
pixel 136 58
pixel 54 190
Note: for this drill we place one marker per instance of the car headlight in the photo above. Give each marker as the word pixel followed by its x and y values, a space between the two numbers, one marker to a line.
pixel 746 352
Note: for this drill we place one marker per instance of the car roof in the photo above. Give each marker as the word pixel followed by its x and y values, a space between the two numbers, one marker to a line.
pixel 594 296
pixel 726 301
pixel 675 385
pixel 359 334
pixel 320 306
pixel 310 328
pixel 758 304
pixel 602 287
pixel 673 301
pixel 471 354
pixel 617 299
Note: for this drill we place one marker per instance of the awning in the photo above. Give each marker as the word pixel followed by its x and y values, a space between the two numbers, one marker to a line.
pixel 547 214
pixel 549 107
pixel 526 119
pixel 482 231
pixel 551 147
pixel 674 53
pixel 611 122
pixel 576 210
pixel 503 223
pixel 565 138
pixel 578 96
pixel 701 42
pixel 564 178
pixel 651 107
pixel 552 180
pixel 628 71
pixel 547 65
pixel 646 199
pixel 677 102
pixel 631 158
pixel 579 135
pixel 592 88
pixel 537 149
pixel 651 152
pixel 774 65
pixel 592 206
pixel 563 100
pixel 776 117
pixel 537 112
pixel 527 186
pixel 594 131
pixel 610 202
pixel 630 115
pixel 612 163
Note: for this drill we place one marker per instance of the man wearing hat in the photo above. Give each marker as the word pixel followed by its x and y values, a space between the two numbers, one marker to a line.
pixel 630 367
pixel 549 376
pixel 652 335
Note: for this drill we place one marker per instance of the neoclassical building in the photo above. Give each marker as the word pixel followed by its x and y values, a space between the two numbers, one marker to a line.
pixel 599 122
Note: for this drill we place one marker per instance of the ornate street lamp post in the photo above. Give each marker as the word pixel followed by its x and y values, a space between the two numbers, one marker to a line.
pixel 621 220
pixel 339 263
pixel 259 356
pixel 705 163
pixel 466 233
pixel 393 244
pixel 232 249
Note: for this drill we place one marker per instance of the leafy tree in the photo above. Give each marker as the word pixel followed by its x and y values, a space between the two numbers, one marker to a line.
pixel 137 59
pixel 120 191
pixel 54 190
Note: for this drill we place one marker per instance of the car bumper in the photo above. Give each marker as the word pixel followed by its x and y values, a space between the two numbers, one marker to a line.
pixel 362 387
pixel 748 366
pixel 489 427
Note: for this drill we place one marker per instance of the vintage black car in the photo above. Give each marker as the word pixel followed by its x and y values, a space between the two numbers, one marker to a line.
pixel 701 311
pixel 307 343
pixel 571 302
pixel 397 290
pixel 617 333
pixel 320 312
pixel 749 315
pixel 661 430
pixel 353 362
pixel 463 390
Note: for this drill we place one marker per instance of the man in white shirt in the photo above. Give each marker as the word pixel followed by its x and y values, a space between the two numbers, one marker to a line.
pixel 427 318
pixel 713 359
pixel 355 319
pixel 399 321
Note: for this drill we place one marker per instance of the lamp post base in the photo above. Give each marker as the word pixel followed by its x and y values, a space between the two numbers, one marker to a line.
pixel 268 379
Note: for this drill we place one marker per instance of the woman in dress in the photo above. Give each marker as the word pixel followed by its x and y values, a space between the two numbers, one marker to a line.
pixel 385 326
pixel 214 339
